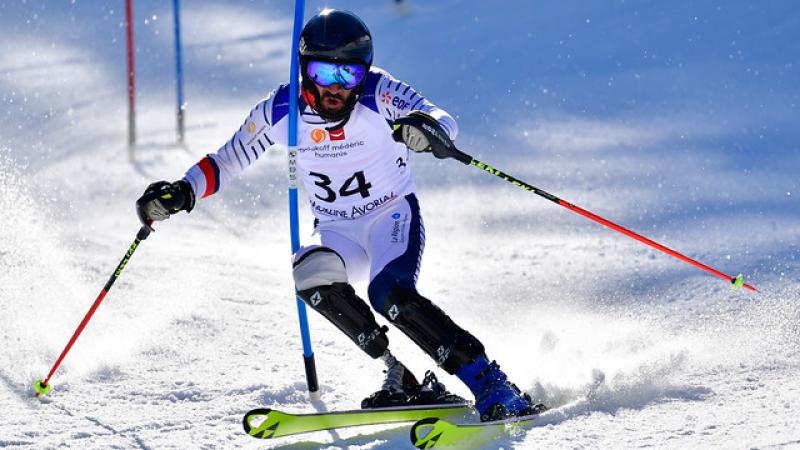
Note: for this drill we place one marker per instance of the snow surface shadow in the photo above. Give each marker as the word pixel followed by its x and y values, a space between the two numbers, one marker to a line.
pixel 21 391
pixel 15 443
pixel 142 165
pixel 97 422
pixel 274 35
pixel 25 69
pixel 787 444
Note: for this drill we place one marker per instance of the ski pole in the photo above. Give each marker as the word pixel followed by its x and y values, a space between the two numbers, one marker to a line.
pixel 737 281
pixel 43 387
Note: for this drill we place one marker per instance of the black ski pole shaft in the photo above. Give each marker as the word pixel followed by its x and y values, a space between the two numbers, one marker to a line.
pixel 43 387
pixel 736 281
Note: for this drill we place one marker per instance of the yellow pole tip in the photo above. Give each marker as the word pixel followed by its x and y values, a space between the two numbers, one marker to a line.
pixel 41 388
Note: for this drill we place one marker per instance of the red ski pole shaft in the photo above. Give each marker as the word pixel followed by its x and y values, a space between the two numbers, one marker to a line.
pixel 43 387
pixel 650 242
pixel 466 159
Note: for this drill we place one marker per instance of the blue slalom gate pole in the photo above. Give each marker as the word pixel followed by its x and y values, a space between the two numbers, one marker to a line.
pixel 176 7
pixel 308 353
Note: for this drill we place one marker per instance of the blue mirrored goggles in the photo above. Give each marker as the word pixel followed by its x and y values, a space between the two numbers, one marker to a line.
pixel 326 73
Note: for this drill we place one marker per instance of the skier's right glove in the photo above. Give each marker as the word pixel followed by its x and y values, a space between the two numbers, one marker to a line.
pixel 162 199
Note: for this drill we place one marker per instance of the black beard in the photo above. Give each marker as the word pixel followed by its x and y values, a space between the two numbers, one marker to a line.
pixel 334 96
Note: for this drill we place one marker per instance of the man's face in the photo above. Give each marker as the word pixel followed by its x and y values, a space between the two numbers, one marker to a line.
pixel 332 98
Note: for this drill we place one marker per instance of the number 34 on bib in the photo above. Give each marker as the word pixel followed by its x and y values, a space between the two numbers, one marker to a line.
pixel 346 189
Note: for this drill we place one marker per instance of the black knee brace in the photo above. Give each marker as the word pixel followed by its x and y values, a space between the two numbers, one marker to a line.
pixel 427 325
pixel 339 303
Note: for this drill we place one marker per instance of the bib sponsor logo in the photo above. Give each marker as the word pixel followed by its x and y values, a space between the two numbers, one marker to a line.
pixel 331 150
pixel 395 101
pixel 251 128
pixel 337 135
pixel 329 211
pixel 363 210
pixel 399 103
pixel 316 299
pixel 359 211
pixel 398 229
pixel 318 135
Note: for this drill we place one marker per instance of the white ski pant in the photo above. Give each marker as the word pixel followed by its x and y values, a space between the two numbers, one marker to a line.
pixel 384 247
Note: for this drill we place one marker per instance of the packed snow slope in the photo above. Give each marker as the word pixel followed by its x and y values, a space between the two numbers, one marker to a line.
pixel 677 119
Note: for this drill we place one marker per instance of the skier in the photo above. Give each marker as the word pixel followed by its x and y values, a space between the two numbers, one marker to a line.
pixel 357 125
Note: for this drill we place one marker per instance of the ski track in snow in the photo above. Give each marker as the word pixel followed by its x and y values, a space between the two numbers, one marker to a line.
pixel 678 121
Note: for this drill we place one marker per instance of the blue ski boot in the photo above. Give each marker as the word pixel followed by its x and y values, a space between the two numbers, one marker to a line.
pixel 496 398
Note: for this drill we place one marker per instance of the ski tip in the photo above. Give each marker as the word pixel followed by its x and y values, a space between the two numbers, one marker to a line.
pixel 41 388
pixel 424 433
pixel 248 426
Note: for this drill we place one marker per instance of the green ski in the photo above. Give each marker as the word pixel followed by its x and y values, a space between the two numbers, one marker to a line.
pixel 436 432
pixel 265 423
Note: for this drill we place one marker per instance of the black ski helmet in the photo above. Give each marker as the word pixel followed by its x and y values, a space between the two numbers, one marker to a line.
pixel 336 36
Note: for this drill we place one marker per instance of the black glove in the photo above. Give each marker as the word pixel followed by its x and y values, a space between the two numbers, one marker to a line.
pixel 422 133
pixel 162 199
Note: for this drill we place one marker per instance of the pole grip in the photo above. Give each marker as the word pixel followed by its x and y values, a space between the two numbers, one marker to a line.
pixel 461 157
pixel 144 232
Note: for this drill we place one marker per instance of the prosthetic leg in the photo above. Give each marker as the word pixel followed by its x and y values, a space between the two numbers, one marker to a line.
pixel 321 281
pixel 430 328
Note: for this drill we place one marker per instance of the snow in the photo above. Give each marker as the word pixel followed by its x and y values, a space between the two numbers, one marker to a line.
pixel 675 119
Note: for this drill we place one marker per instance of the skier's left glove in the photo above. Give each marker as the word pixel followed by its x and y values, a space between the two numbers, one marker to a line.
pixel 162 199
pixel 422 133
